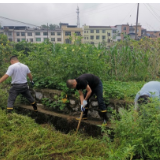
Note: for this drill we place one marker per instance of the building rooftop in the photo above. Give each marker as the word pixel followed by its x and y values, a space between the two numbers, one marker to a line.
pixel 113 27
pixel 68 26
pixel 99 27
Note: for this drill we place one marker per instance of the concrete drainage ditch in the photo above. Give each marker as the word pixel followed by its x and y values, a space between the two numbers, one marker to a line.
pixel 62 122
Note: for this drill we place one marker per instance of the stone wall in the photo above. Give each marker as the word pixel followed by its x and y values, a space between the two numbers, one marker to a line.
pixel 72 107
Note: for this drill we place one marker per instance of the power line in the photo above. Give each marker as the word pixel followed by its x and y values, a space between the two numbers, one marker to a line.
pixel 129 13
pixel 154 11
pixel 99 11
pixel 150 26
pixel 18 21
pixel 66 16
pixel 108 9
pixel 151 12
pixel 158 9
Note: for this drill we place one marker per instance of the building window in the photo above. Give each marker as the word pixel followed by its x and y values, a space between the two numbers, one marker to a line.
pixel 31 39
pixel 92 42
pixel 118 40
pixel 45 39
pixel 103 37
pixel 37 33
pixel 113 31
pixel 68 41
pixel 97 37
pixel 9 33
pixel 109 40
pixel 18 40
pixel 91 31
pixel 38 39
pixel 78 33
pixel 52 39
pixel 58 39
pixel 84 31
pixel 124 28
pixel 119 34
pixel 91 37
pixel 108 34
pixel 22 33
pixel 103 31
pixel 29 33
pixel 23 39
pixel 45 33
pixel 97 31
pixel 53 34
pixel 67 33
pixel 10 39
pixel 18 34
pixel 59 34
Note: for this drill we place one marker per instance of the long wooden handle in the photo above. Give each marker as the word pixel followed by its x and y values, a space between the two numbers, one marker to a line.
pixel 79 122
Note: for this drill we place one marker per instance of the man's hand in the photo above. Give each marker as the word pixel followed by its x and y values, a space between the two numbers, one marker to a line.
pixel 32 83
pixel 82 108
pixel 84 103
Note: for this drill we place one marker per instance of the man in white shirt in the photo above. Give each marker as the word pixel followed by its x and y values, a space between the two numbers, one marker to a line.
pixel 150 89
pixel 19 73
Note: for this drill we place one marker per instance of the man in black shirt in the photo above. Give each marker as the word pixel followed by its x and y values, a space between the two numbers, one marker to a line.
pixel 93 85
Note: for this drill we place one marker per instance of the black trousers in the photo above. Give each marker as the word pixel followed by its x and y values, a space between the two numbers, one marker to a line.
pixel 98 91
pixel 17 89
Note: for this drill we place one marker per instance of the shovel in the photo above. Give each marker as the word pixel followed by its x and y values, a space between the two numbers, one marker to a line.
pixel 84 103
pixel 79 122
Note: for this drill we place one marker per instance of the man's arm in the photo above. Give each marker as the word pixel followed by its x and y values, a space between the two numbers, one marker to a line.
pixel 30 76
pixel 81 96
pixel 4 78
pixel 89 91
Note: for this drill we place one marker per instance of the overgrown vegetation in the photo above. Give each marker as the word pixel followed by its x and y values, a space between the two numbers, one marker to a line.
pixel 52 64
pixel 123 68
pixel 136 135
pixel 22 138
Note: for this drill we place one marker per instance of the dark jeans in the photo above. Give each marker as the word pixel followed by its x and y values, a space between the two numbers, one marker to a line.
pixel 98 91
pixel 17 89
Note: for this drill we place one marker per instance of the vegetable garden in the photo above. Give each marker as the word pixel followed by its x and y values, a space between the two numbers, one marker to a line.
pixel 123 68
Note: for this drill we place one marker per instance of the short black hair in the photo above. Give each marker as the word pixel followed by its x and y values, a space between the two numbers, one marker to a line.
pixel 13 57
pixel 144 99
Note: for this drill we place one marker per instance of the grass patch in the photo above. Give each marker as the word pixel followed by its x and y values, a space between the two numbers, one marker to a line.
pixel 22 138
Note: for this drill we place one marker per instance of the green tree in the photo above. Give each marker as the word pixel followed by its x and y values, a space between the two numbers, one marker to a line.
pixel 51 26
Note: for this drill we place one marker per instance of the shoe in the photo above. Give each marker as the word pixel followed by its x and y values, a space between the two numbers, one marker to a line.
pixel 34 104
pixel 105 118
pixel 9 110
pixel 104 123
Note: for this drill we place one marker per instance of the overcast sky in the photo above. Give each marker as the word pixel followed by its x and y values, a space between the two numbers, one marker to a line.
pixel 97 14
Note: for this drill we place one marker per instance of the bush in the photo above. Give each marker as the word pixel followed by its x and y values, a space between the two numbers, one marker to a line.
pixel 136 135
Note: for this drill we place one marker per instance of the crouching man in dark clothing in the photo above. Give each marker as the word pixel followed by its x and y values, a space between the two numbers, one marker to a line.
pixel 19 73
pixel 93 85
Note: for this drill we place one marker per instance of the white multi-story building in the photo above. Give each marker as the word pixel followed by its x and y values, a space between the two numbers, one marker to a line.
pixel 36 35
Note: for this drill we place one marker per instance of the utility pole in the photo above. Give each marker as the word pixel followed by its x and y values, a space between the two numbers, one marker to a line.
pixel 47 32
pixel 137 21
pixel 78 21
